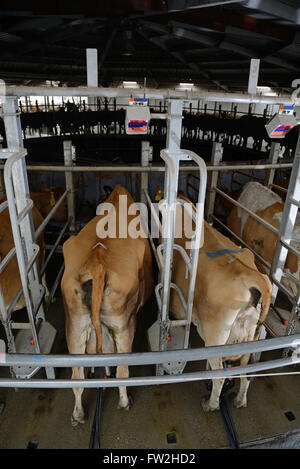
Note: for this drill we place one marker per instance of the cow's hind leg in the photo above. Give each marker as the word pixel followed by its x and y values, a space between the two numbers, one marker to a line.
pixel 125 401
pixel 253 334
pixel 241 398
pixel 123 342
pixel 213 402
pixel 78 415
pixel 214 336
pixel 78 330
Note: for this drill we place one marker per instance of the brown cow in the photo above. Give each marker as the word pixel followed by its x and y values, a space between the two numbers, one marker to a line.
pixel 45 199
pixel 269 206
pixel 10 278
pixel 103 286
pixel 231 301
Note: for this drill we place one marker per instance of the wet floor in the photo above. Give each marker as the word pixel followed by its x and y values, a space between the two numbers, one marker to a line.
pixel 164 416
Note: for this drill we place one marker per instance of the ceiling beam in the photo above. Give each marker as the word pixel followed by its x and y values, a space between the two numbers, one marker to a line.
pixel 180 57
pixel 275 8
pixel 180 5
pixel 237 48
pixel 218 18
pixel 54 35
pixel 35 23
pixel 281 63
pixel 107 47
pixel 195 37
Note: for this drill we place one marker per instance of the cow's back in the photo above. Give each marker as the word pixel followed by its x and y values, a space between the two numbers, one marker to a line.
pixel 268 206
pixel 121 258
pixel 225 275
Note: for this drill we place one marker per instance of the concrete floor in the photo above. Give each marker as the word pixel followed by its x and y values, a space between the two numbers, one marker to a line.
pixel 42 416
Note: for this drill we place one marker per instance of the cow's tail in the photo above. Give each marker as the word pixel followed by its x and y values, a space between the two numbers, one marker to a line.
pixel 94 270
pixel 261 283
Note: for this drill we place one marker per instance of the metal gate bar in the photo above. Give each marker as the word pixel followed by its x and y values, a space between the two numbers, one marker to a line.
pixel 26 249
pixel 220 98
pixel 18 91
pixel 252 214
pixel 108 360
pixel 147 381
pixel 152 358
pixel 150 169
pixel 173 155
pixel 50 215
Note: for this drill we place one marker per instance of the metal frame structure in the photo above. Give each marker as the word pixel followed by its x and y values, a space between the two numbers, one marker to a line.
pixel 172 155
pixel 17 91
pixel 37 335
pixel 284 234
pixel 148 358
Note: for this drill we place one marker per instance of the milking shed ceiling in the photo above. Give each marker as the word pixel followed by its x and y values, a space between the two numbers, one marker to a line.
pixel 209 43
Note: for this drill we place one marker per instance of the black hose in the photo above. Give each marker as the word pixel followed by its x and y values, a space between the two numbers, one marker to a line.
pixel 225 413
pixel 228 424
pixel 95 433
pixel 226 417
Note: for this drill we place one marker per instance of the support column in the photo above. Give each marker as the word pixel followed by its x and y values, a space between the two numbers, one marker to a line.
pixel 170 195
pixel 273 158
pixel 68 161
pixel 20 183
pixel 216 158
pixel 92 73
pixel 287 225
pixel 147 152
pixel 253 76
pixel 18 198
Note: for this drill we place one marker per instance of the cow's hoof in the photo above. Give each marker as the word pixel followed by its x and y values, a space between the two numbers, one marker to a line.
pixel 239 403
pixel 206 406
pixel 76 421
pixel 127 406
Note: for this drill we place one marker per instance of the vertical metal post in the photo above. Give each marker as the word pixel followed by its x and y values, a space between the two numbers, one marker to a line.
pixel 92 71
pixel 253 76
pixel 17 191
pixel 216 158
pixel 147 151
pixel 287 225
pixel 170 196
pixel 67 145
pixel 20 184
pixel 18 195
pixel 273 158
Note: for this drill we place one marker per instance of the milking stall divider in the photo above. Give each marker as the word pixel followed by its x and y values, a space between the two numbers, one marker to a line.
pixel 24 361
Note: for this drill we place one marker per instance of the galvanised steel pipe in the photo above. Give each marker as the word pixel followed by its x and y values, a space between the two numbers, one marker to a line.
pixel 151 169
pixel 261 259
pixel 252 214
pixel 149 358
pixel 18 91
pixel 45 222
pixel 149 380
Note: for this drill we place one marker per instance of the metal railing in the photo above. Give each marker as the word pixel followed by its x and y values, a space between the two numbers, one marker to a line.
pixel 18 91
pixel 152 358
pixel 162 357
pixel 149 169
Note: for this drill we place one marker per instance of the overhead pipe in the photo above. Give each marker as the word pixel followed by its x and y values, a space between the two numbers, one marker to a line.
pixel 167 93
